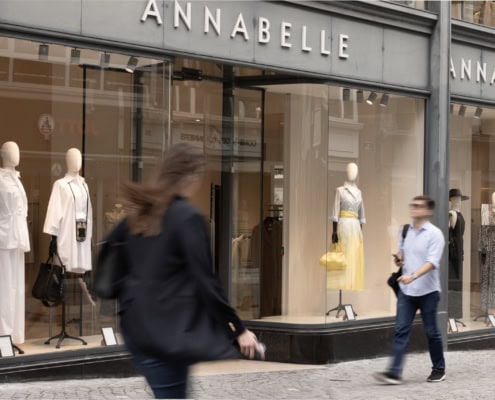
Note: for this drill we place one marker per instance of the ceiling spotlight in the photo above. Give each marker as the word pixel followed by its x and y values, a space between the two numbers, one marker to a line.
pixel 462 110
pixel 359 96
pixel 43 52
pixel 75 56
pixel 371 98
pixel 131 64
pixel 384 100
pixel 477 113
pixel 104 60
pixel 346 94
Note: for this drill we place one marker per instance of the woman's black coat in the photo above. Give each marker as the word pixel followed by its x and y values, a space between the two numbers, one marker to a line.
pixel 171 304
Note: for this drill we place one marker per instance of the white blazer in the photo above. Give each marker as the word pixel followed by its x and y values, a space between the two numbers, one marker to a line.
pixel 13 212
pixel 60 221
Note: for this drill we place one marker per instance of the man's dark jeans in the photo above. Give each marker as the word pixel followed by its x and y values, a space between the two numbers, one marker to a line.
pixel 406 310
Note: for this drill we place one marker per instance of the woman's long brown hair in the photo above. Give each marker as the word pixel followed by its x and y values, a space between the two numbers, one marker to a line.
pixel 146 203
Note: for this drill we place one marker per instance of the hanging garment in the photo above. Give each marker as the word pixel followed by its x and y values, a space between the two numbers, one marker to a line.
pixel 349 215
pixel 456 258
pixel 69 201
pixel 487 260
pixel 14 242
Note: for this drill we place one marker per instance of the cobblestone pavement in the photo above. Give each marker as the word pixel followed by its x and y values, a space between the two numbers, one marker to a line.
pixel 470 375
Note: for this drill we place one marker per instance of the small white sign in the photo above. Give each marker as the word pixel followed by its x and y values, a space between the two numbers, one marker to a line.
pixel 492 319
pixel 349 312
pixel 453 325
pixel 109 336
pixel 6 348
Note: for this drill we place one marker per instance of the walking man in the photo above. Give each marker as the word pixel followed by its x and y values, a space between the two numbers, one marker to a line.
pixel 419 255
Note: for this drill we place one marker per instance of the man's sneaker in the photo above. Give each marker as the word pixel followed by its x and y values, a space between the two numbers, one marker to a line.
pixel 387 378
pixel 436 376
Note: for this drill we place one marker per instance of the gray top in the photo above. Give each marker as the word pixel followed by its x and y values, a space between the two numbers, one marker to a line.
pixel 348 198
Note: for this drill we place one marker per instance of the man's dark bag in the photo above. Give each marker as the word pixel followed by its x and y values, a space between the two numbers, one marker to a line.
pixel 392 279
pixel 111 265
pixel 49 284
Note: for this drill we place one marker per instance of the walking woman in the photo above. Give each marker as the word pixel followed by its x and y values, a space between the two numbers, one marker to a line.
pixel 173 312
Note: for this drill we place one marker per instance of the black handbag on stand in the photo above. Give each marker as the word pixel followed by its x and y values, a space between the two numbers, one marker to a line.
pixel 392 279
pixel 49 284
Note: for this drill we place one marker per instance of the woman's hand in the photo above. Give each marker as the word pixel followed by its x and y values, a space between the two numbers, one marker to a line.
pixel 249 345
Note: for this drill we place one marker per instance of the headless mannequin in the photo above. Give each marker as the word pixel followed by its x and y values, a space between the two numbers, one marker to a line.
pixel 352 173
pixel 14 242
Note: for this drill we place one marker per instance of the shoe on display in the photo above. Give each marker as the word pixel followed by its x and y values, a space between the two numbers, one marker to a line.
pixel 436 376
pixel 387 378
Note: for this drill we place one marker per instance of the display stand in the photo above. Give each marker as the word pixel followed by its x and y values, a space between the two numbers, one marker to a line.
pixel 63 334
pixel 339 307
pixel 458 321
pixel 18 349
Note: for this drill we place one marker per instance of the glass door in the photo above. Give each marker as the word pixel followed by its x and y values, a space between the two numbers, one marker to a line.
pixel 247 151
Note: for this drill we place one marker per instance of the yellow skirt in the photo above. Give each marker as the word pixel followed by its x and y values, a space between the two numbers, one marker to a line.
pixel 351 239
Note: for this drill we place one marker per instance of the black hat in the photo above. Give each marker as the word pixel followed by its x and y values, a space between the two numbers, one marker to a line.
pixel 457 193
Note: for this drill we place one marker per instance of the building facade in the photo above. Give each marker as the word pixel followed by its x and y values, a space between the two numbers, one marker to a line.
pixel 282 97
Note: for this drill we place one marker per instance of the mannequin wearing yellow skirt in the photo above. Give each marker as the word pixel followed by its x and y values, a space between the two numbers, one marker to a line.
pixel 348 216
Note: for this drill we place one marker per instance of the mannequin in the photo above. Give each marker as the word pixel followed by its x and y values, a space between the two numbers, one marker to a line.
pixel 456 253
pixel 69 217
pixel 348 217
pixel 69 221
pixel 14 242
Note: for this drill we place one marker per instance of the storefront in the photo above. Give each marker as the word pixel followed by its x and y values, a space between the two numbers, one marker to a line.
pixel 286 100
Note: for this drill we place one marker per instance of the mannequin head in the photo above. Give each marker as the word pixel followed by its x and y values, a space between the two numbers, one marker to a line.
pixel 455 202
pixel 73 159
pixel 10 155
pixel 352 172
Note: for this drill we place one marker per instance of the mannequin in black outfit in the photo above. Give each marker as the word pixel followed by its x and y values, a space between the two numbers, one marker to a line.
pixel 456 253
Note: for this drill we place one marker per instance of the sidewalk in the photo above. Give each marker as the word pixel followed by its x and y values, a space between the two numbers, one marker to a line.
pixel 469 376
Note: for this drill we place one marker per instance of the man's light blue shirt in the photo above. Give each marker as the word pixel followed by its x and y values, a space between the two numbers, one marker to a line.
pixel 419 247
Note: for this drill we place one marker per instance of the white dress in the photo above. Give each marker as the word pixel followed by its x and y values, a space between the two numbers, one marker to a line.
pixel 14 242
pixel 348 212
pixel 69 201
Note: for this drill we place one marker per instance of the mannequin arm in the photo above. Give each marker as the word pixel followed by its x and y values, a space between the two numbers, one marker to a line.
pixel 452 219
pixel 335 237
pixel 53 245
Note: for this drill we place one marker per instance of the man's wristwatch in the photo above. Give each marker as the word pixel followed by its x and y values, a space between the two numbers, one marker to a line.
pixel 414 276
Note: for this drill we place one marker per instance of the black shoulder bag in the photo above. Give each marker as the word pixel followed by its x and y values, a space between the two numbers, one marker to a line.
pixel 111 265
pixel 392 279
pixel 49 284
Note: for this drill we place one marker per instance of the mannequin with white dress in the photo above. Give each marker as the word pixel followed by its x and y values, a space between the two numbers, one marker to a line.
pixel 14 242
pixel 70 206
pixel 348 217
pixel 69 221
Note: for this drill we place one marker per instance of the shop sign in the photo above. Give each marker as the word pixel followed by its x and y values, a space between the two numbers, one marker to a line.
pixel 211 22
pixel 472 71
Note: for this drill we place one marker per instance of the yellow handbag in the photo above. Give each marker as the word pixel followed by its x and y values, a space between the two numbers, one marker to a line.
pixel 334 259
